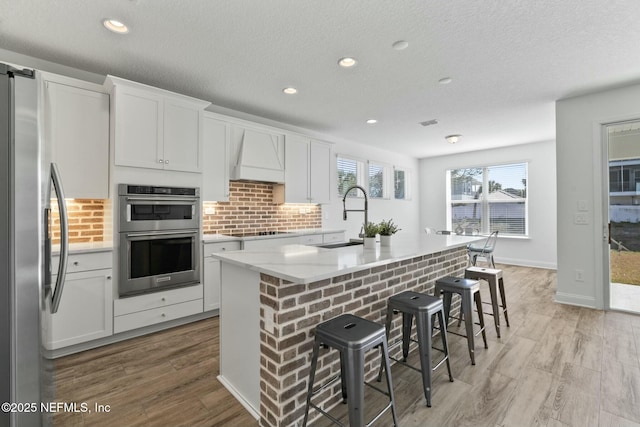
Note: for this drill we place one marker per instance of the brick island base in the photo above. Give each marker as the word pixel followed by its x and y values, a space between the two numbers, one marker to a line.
pixel 267 324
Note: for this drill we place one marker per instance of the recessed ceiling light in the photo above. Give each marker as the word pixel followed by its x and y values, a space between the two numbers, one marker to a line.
pixel 115 26
pixel 347 62
pixel 372 121
pixel 452 139
pixel 290 90
pixel 400 45
pixel 445 80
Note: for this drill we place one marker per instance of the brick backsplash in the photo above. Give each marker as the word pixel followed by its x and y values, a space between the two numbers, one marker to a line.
pixel 86 220
pixel 251 209
pixel 289 312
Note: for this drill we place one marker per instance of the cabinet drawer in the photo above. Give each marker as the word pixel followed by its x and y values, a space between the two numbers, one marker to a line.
pixel 86 261
pixel 156 315
pixel 159 299
pixel 210 248
pixel 311 239
pixel 332 237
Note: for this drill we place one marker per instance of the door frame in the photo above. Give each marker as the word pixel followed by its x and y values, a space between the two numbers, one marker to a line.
pixel 601 199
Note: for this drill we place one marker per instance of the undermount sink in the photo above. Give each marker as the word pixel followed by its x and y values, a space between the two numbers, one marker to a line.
pixel 341 244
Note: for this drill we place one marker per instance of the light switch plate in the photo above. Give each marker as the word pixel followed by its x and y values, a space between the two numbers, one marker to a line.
pixel 583 206
pixel 581 219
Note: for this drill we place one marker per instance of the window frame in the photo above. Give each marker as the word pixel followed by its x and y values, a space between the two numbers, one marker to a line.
pixel 484 201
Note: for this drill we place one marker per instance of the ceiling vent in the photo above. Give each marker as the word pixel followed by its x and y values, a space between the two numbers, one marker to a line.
pixel 429 122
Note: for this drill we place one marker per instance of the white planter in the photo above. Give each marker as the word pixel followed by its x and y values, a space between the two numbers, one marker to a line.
pixel 369 242
pixel 385 240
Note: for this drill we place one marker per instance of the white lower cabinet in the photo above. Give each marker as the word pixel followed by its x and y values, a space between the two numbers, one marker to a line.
pixel 270 242
pixel 148 309
pixel 86 310
pixel 311 239
pixel 333 237
pixel 211 276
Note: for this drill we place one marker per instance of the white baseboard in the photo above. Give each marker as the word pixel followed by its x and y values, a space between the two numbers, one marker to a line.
pixel 527 263
pixel 254 413
pixel 574 299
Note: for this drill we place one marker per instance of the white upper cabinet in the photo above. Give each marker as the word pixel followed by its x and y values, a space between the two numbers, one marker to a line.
pixel 307 170
pixel 76 131
pixel 215 169
pixel 155 128
pixel 182 136
pixel 320 182
pixel 297 169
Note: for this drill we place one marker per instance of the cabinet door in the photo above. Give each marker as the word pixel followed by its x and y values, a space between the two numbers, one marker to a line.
pixel 296 169
pixel 76 123
pixel 320 182
pixel 215 168
pixel 182 136
pixel 271 242
pixel 138 128
pixel 86 309
pixel 211 283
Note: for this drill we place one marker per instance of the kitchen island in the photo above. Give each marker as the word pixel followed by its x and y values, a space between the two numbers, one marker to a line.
pixel 271 301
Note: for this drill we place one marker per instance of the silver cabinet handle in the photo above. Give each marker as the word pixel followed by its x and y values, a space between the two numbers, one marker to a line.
pixel 164 299
pixel 163 315
pixel 76 263
pixel 160 161
pixel 166 162
pixel 108 277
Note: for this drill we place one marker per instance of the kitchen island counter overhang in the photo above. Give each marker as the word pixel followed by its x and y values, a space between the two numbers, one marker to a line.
pixel 271 301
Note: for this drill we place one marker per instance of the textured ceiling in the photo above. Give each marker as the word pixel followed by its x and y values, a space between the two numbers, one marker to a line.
pixel 509 59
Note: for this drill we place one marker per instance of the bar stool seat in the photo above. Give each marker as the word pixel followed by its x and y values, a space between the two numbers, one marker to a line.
pixel 494 278
pixel 469 290
pixel 423 307
pixel 352 336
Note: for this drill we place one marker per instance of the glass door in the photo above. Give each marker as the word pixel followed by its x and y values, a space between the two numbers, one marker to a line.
pixel 624 215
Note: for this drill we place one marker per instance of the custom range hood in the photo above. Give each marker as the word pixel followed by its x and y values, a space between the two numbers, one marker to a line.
pixel 260 156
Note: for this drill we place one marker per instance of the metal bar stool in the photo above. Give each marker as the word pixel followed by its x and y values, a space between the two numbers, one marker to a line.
pixel 469 290
pixel 423 307
pixel 494 278
pixel 352 336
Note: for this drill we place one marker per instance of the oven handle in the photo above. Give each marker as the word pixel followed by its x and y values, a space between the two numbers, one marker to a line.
pixel 184 200
pixel 159 234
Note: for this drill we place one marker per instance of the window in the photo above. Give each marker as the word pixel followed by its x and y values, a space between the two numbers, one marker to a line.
pixel 488 199
pixel 376 181
pixel 400 184
pixel 624 176
pixel 350 173
pixel 376 177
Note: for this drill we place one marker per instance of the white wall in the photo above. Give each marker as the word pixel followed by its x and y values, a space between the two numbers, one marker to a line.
pixel 405 213
pixel 582 164
pixel 539 249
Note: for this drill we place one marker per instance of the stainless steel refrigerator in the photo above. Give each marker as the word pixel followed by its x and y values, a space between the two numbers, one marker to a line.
pixel 27 296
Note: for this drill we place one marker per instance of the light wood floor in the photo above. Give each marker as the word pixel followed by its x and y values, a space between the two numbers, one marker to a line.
pixel 555 366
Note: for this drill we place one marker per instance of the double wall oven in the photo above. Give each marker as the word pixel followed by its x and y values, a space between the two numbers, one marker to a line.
pixel 159 231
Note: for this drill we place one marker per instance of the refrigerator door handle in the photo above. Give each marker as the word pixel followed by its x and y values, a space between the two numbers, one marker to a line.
pixel 64 239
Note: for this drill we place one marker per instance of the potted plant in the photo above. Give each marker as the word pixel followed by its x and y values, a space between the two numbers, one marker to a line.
pixel 370 231
pixel 386 230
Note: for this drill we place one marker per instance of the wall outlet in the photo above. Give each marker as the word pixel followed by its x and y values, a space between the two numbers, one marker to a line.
pixel 579 275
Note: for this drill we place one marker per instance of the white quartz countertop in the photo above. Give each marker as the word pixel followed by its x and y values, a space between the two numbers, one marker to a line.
pixel 81 248
pixel 211 238
pixel 306 264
